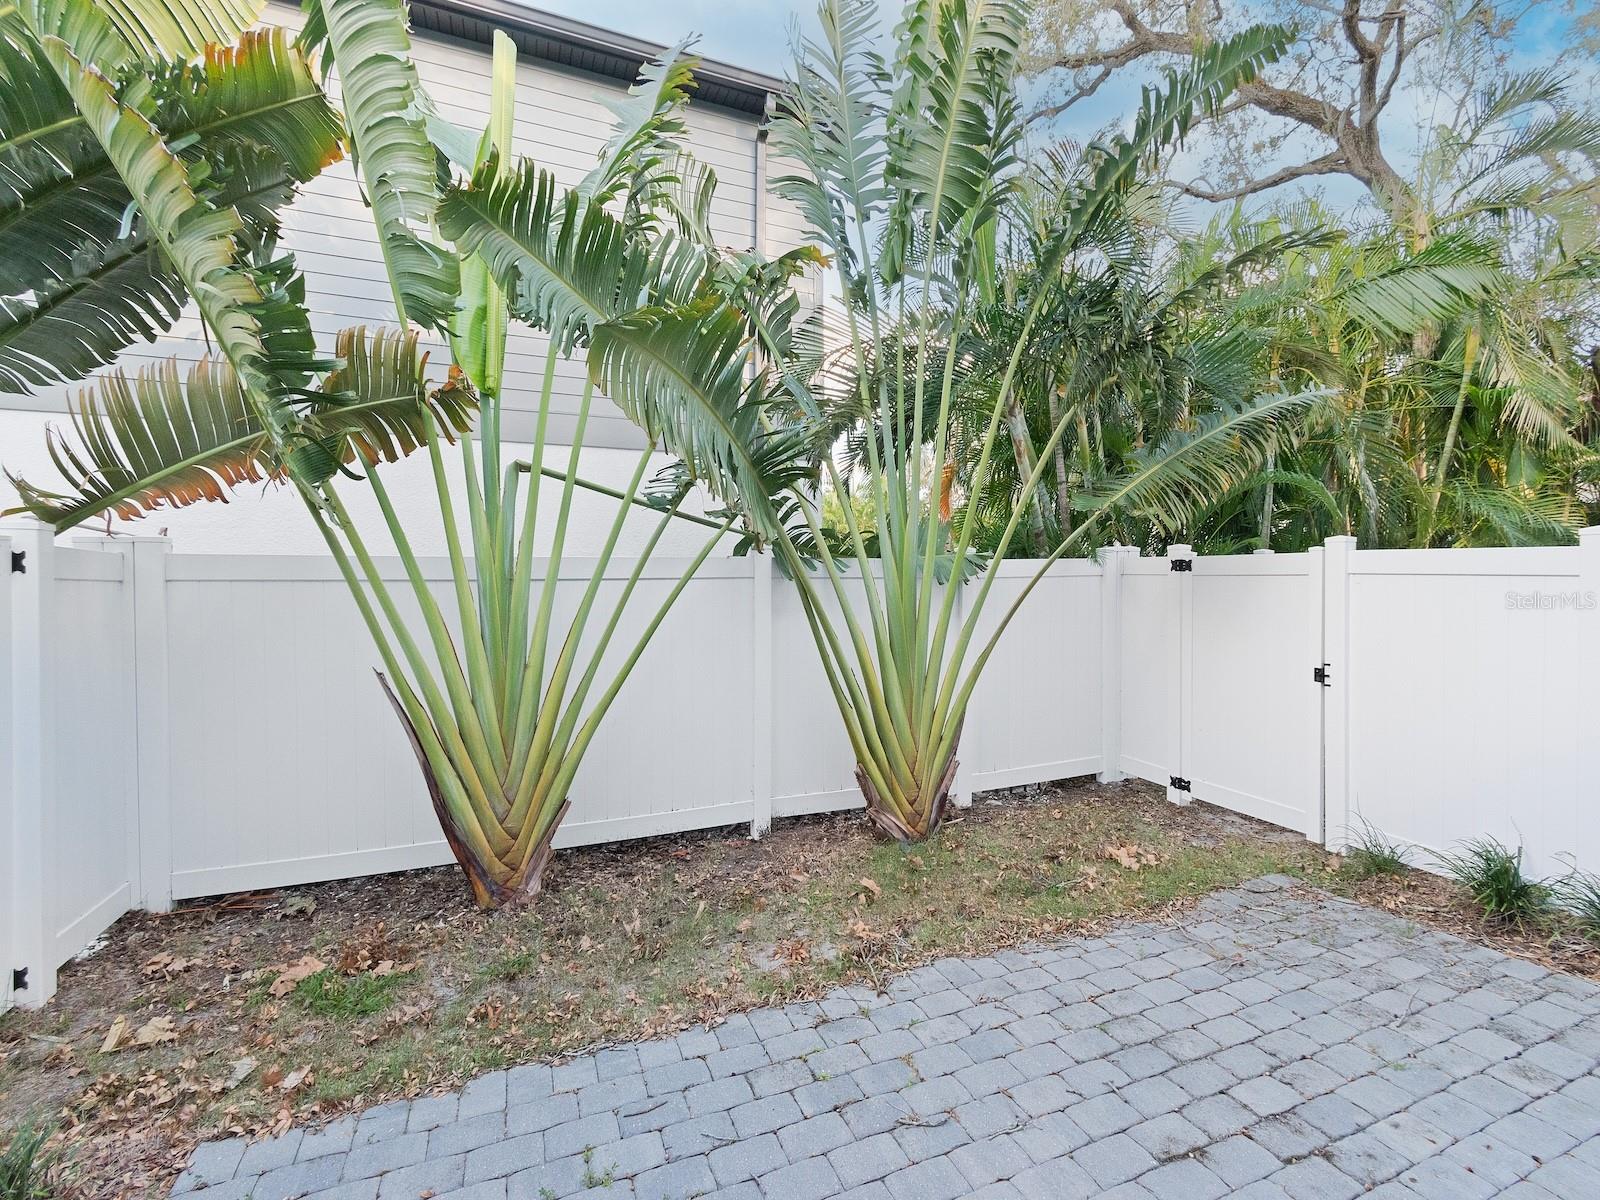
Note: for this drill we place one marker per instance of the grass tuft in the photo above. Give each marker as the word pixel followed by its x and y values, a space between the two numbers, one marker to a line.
pixel 1373 853
pixel 330 994
pixel 1492 874
pixel 1579 894
pixel 30 1169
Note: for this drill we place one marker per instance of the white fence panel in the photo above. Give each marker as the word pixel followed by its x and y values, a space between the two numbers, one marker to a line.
pixel 1149 708
pixel 286 763
pixel 10 902
pixel 813 766
pixel 674 751
pixel 271 663
pixel 1035 712
pixel 178 725
pixel 1467 709
pixel 92 860
pixel 1252 713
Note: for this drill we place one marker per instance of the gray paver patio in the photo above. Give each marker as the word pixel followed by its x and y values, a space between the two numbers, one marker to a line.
pixel 1272 1044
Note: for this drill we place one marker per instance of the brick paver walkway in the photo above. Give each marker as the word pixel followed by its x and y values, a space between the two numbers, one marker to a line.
pixel 1274 1044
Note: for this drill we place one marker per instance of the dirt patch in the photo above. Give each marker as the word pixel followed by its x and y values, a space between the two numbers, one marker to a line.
pixel 248 1013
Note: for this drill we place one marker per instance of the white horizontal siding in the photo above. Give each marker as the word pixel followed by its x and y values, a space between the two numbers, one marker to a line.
pixel 562 123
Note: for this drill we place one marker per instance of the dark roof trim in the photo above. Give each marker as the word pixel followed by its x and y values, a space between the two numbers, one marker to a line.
pixel 585 47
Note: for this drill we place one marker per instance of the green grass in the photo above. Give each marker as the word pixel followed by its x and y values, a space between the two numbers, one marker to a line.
pixel 593 1178
pixel 29 1169
pixel 1492 874
pixel 1372 853
pixel 330 994
pixel 1579 894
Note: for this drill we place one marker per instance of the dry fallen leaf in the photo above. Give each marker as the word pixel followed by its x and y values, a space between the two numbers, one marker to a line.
pixel 289 978
pixel 114 1035
pixel 241 1071
pixel 872 886
pixel 156 1029
pixel 166 964
pixel 1131 857
pixel 294 1079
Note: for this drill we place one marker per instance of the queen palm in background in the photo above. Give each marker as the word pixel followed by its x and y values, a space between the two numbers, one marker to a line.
pixel 146 150
pixel 1455 347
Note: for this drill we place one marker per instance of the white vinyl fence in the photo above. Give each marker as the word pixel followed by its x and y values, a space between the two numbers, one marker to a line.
pixel 181 725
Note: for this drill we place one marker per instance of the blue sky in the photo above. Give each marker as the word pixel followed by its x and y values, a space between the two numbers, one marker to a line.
pixel 751 33
pixel 756 34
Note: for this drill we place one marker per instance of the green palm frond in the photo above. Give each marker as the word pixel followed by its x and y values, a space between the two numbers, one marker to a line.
pixel 829 123
pixel 1182 476
pixel 153 29
pixel 1429 287
pixel 947 171
pixel 83 279
pixel 683 375
pixel 640 157
pixel 162 438
pixel 260 331
pixel 259 92
pixel 376 406
pixel 64 330
pixel 1165 116
pixel 1513 516
pixel 152 440
pixel 370 46
pixel 564 263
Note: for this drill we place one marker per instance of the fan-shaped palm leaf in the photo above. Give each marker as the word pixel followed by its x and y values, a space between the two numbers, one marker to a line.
pixel 564 263
pixel 85 280
pixel 161 438
pixel 682 374
pixel 399 166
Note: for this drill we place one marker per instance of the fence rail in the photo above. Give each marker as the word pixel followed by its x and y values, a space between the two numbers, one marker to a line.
pixel 182 725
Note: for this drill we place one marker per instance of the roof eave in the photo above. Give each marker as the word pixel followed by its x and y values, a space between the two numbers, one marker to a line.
pixel 584 47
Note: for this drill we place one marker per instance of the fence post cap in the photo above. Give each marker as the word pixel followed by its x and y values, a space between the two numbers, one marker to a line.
pixel 116 537
pixel 22 524
pixel 1589 536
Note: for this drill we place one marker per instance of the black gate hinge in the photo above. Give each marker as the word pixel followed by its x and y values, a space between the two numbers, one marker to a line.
pixel 19 562
pixel 1183 564
pixel 1323 675
pixel 19 979
pixel 1179 783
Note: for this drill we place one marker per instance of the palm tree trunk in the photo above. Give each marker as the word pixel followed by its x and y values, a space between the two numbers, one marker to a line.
pixel 1469 353
pixel 1022 446
pixel 1266 503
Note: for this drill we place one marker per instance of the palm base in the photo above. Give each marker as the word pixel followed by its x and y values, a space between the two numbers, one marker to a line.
pixel 923 813
pixel 493 884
